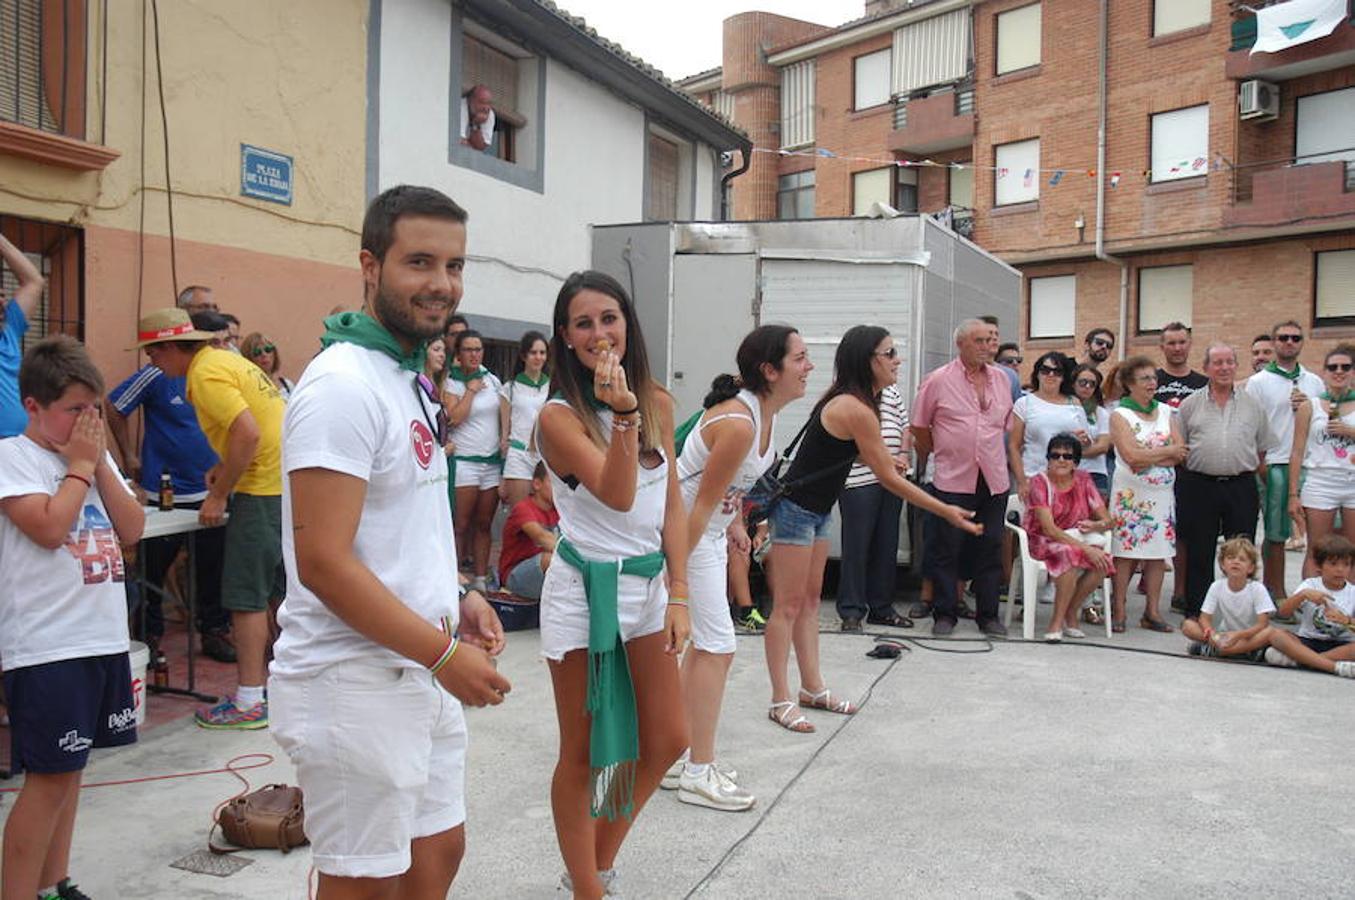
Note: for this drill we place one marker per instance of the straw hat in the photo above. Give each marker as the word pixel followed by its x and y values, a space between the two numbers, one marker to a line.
pixel 170 324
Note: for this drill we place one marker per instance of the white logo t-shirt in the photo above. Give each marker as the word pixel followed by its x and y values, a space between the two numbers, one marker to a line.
pixel 67 603
pixel 357 412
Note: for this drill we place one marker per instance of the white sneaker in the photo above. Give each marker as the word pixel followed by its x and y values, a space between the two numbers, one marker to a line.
pixel 1345 668
pixel 714 789
pixel 606 876
pixel 1276 658
pixel 1074 633
pixel 674 773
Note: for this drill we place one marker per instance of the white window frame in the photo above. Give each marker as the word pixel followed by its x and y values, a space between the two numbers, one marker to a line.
pixel 1053 306
pixel 1011 162
pixel 1156 305
pixel 1179 145
pixel 1017 51
pixel 1170 16
pixel 870 88
pixel 1310 145
pixel 1334 300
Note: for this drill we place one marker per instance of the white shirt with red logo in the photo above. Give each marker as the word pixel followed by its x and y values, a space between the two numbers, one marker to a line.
pixel 355 411
pixel 68 603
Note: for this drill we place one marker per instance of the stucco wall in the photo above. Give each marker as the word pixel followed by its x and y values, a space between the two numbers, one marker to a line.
pixel 594 166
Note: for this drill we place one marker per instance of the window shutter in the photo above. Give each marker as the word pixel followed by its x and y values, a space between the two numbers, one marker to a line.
pixel 870 80
pixel 1336 285
pixel 1053 306
pixel 663 180
pixel 1017 179
pixel 1178 15
pixel 933 51
pixel 869 188
pixel 1180 144
pixel 1018 39
pixel 797 105
pixel 1166 294
pixel 482 64
pixel 1326 123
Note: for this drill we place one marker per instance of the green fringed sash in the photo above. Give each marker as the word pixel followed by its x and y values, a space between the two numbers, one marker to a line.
pixel 614 730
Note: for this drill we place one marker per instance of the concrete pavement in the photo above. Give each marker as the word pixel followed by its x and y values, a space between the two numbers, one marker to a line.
pixel 1030 770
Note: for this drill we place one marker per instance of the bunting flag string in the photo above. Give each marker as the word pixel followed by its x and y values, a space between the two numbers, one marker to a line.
pixel 1200 165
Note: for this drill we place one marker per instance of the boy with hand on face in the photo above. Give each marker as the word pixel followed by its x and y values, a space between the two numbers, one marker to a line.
pixel 64 512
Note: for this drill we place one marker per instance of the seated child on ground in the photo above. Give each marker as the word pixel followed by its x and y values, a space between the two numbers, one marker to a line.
pixel 1235 617
pixel 529 539
pixel 1326 606
pixel 64 511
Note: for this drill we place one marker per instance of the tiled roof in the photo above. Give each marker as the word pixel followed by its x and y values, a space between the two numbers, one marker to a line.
pixel 635 62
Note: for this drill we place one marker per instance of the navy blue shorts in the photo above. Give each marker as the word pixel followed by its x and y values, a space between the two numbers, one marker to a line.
pixel 1320 645
pixel 59 710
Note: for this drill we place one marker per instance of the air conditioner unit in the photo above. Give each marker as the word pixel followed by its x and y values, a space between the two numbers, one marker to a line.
pixel 1258 100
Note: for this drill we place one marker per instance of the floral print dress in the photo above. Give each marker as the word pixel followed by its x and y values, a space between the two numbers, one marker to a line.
pixel 1143 504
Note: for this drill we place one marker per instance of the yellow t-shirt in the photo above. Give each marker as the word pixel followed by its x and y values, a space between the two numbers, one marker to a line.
pixel 221 385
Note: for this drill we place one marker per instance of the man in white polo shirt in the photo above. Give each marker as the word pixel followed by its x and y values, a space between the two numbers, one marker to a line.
pixel 371 663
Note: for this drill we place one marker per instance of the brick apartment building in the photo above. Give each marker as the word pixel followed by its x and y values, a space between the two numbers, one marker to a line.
pixel 1224 217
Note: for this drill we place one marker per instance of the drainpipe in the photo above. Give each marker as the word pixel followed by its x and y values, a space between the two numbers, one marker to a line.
pixel 747 153
pixel 1101 253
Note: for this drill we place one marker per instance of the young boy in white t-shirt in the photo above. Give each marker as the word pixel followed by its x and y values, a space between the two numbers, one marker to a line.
pixel 1235 616
pixel 64 512
pixel 1326 606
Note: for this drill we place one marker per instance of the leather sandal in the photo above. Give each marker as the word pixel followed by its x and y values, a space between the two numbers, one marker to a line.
pixel 788 719
pixel 825 700
pixel 1155 625
pixel 889 619
pixel 1117 626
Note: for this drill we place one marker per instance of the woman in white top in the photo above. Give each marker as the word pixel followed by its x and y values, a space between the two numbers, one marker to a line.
pixel 723 455
pixel 1087 390
pixel 472 401
pixel 1143 503
pixel 1324 438
pixel 611 628
pixel 1049 408
pixel 520 402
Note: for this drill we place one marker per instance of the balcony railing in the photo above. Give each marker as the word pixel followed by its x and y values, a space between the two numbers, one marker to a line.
pixel 1245 176
pixel 963 94
pixel 42 59
pixel 964 100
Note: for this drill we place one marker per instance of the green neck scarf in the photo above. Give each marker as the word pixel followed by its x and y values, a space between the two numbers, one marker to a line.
pixel 456 373
pixel 1276 370
pixel 1131 403
pixel 1089 409
pixel 1344 398
pixel 614 730
pixel 524 378
pixel 361 329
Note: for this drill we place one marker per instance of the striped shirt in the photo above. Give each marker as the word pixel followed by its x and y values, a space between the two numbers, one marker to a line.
pixel 893 423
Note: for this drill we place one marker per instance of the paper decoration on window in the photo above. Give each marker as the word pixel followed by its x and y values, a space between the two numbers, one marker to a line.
pixel 1056 178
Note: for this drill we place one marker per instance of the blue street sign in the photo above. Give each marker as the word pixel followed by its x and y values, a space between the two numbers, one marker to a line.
pixel 265 174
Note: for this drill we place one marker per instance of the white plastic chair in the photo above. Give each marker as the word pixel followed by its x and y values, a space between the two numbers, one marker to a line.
pixel 1031 575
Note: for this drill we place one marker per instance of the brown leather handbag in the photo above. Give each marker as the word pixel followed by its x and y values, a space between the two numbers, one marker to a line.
pixel 271 818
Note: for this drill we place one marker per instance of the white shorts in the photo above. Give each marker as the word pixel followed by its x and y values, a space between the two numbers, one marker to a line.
pixel 380 754
pixel 641 605
pixel 484 476
pixel 708 581
pixel 520 464
pixel 1328 489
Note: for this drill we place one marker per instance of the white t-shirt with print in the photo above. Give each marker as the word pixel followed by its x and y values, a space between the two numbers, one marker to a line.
pixel 68 603
pixel 355 411
pixel 478 433
pixel 1236 610
pixel 1344 600
pixel 1044 420
pixel 524 406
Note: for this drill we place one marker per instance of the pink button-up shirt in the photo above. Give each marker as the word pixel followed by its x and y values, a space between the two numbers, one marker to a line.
pixel 966 440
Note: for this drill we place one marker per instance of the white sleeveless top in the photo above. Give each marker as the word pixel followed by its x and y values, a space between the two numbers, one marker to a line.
pixel 695 454
pixel 478 433
pixel 524 405
pixel 599 532
pixel 1150 435
pixel 1327 451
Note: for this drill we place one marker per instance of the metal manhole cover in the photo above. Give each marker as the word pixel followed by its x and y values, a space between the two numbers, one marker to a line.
pixel 204 862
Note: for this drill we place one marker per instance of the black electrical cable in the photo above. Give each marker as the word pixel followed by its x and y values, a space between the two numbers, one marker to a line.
pixel 164 130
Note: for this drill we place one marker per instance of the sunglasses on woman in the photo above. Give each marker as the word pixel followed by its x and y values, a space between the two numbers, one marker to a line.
pixel 891 353
pixel 1086 383
pixel 1340 367
pixel 1050 370
pixel 1056 455
pixel 262 349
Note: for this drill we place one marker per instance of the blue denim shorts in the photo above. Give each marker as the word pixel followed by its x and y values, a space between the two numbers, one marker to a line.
pixel 793 524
